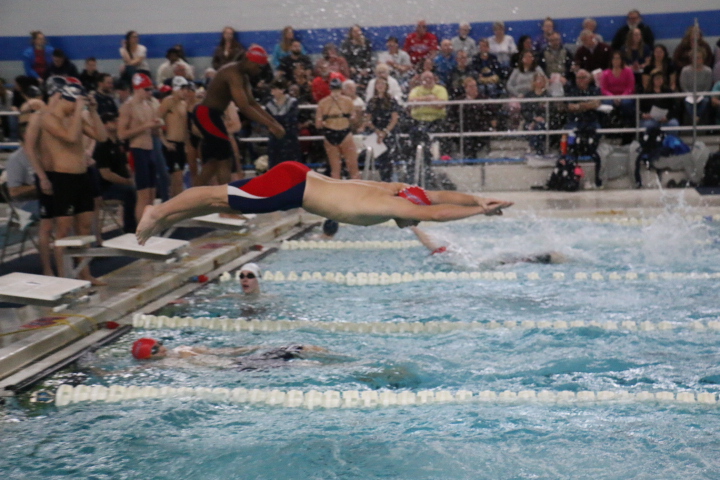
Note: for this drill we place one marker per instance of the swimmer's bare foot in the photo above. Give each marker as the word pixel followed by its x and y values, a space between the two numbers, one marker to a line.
pixel 234 216
pixel 149 225
pixel 96 282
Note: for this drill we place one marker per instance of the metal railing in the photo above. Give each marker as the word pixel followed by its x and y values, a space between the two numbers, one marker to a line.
pixel 461 134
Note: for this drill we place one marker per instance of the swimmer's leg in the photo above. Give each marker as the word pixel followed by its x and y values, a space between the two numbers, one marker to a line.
pixel 190 203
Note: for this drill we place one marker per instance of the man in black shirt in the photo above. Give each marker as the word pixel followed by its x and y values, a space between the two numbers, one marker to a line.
pixel 287 63
pixel 104 95
pixel 90 77
pixel 117 184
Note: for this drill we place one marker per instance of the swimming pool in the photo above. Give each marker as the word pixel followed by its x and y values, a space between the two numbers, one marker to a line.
pixel 196 438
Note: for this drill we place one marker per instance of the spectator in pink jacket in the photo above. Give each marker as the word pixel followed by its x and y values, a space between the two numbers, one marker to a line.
pixel 619 79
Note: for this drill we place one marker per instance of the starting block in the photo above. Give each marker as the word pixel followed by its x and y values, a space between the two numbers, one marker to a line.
pixel 156 248
pixel 38 290
pixel 216 220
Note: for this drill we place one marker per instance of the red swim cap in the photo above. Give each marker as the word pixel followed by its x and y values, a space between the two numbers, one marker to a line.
pixel 416 195
pixel 141 81
pixel 142 348
pixel 257 54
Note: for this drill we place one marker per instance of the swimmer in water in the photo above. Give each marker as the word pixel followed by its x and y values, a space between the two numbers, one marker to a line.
pixel 294 185
pixel 250 278
pixel 240 358
pixel 435 248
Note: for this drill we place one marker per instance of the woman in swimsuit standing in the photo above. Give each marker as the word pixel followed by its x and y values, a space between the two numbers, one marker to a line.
pixel 334 116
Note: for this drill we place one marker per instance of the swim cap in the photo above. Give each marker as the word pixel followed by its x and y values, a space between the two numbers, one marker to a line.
pixel 33 92
pixel 142 349
pixel 72 92
pixel 257 54
pixel 54 84
pixel 416 195
pixel 335 84
pixel 251 267
pixel 141 81
pixel 179 82
pixel 330 227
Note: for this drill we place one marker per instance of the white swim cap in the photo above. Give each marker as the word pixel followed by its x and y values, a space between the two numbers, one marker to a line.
pixel 179 82
pixel 251 267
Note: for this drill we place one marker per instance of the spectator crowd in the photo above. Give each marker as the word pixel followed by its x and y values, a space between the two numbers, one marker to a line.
pixel 140 144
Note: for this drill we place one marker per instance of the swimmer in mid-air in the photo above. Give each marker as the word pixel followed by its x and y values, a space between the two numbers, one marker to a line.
pixel 240 358
pixel 294 185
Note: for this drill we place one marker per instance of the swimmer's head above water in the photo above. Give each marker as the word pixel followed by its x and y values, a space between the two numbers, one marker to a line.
pixel 250 278
pixel 148 348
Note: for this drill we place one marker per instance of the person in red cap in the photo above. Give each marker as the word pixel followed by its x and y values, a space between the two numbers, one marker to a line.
pixel 244 358
pixel 136 122
pixel 293 185
pixel 231 84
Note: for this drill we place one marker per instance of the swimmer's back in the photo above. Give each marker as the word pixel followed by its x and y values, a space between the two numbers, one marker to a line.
pixel 218 92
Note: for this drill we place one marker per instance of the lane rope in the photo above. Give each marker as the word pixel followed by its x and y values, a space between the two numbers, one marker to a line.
pixel 361 279
pixel 153 322
pixel 68 394
pixel 628 221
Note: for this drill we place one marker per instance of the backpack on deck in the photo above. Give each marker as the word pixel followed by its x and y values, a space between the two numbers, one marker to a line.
pixel 566 175
pixel 651 146
pixel 712 171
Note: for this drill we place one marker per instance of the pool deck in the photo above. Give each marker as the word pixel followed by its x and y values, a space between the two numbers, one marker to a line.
pixel 145 285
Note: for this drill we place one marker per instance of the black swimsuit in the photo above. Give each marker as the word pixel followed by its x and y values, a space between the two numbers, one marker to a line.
pixel 336 137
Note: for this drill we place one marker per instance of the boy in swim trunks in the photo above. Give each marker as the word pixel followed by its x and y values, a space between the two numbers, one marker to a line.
pixel 293 185
pixel 231 83
pixel 62 127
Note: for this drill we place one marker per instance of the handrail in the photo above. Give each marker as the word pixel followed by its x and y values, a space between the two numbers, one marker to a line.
pixel 509 133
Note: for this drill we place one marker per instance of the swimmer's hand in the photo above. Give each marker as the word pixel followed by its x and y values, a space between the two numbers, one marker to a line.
pixel 493 206
pixel 277 130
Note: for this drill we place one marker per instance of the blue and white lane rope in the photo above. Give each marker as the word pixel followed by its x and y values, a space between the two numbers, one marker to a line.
pixel 68 394
pixel 432 327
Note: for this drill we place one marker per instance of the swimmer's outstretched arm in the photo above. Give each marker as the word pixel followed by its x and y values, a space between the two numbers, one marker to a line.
pixel 190 203
pixel 493 206
pixel 427 241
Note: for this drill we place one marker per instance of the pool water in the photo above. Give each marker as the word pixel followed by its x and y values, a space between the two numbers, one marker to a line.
pixel 192 438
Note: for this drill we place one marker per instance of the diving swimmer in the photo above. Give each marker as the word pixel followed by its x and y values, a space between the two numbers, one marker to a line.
pixel 293 185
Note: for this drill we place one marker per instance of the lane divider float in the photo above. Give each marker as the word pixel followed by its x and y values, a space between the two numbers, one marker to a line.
pixel 361 279
pixel 340 245
pixel 625 220
pixel 153 322
pixel 68 394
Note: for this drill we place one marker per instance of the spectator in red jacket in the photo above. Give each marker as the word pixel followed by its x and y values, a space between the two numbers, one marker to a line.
pixel 420 43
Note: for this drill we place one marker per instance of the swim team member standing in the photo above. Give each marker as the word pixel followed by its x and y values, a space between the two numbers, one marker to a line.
pixel 231 83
